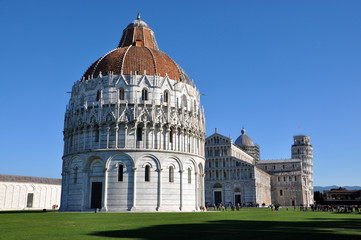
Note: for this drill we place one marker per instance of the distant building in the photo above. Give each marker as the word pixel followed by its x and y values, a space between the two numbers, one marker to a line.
pixel 346 197
pixel 27 193
pixel 235 174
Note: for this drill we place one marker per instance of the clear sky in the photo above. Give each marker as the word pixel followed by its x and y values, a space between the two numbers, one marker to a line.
pixel 270 66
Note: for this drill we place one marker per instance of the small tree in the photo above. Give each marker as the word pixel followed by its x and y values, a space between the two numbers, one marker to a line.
pixel 318 197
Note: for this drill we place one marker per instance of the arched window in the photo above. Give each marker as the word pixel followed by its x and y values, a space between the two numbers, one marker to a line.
pixel 171 136
pixel 144 94
pixel 184 101
pixel 281 193
pixel 189 175
pixel 99 95
pixel 96 134
pixel 120 173
pixel 165 96
pixel 139 133
pixel 75 175
pixel 121 94
pixel 171 174
pixel 194 105
pixel 147 173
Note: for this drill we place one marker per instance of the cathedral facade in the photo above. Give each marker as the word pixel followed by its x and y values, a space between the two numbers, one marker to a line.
pixel 134 132
pixel 235 174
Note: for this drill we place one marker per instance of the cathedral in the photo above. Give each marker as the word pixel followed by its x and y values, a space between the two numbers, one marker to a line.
pixel 235 174
pixel 134 132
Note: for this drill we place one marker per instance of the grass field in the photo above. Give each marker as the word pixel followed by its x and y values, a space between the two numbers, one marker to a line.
pixel 247 223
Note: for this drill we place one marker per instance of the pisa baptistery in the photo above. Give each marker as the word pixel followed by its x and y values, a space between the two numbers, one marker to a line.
pixel 134 132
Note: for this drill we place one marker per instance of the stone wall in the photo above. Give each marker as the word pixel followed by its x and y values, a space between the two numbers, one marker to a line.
pixel 183 192
pixel 14 195
pixel 263 187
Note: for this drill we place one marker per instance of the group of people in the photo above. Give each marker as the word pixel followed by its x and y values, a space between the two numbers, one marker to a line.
pixel 221 207
pixel 336 208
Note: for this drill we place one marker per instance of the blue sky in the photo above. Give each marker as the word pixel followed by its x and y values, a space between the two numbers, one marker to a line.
pixel 270 66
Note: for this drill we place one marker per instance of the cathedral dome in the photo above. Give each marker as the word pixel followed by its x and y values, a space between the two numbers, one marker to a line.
pixel 243 140
pixel 137 54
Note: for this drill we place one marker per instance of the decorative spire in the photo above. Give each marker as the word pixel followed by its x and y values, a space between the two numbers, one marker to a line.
pixel 138 18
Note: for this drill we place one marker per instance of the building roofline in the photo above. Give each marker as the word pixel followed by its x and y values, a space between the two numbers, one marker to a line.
pixel 27 179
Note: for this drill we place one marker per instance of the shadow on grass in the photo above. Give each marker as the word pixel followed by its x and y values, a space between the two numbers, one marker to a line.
pixel 26 211
pixel 234 229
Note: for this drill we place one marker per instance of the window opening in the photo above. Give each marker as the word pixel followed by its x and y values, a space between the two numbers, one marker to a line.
pixel 139 133
pixel 171 174
pixel 121 94
pixel 147 173
pixel 144 94
pixel 99 94
pixel 29 202
pixel 120 173
pixel 189 175
pixel 165 97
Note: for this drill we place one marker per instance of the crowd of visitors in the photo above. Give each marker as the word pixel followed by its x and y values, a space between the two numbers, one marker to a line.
pixel 314 208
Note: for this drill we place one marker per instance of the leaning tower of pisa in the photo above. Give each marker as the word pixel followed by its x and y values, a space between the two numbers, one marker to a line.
pixel 302 149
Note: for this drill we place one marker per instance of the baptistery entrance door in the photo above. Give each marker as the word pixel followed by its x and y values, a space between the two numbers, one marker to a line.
pixel 96 195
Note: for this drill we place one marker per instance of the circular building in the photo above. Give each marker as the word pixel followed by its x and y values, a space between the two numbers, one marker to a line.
pixel 134 132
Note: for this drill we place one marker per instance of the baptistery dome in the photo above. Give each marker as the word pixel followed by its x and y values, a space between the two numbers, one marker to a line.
pixel 137 54
pixel 134 132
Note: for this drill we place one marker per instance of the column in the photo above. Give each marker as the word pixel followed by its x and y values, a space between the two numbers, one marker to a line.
pixel 100 137
pixel 144 132
pixel 91 136
pixel 116 135
pixel 167 138
pixel 181 190
pixel 159 188
pixel 202 191
pixel 105 200
pixel 134 189
pixel 108 129
pixel 196 189
pixel 160 138
pixel 85 132
pixel 64 193
pixel 181 140
pixel 78 138
pixel 185 144
pixel 152 139
pixel 135 136
pixel 175 140
pixel 125 135
pixel 85 189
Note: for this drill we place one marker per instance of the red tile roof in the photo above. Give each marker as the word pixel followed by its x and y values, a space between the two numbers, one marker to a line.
pixel 137 54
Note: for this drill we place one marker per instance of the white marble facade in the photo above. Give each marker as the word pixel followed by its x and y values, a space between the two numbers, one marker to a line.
pixel 133 142
pixel 231 174
pixel 29 193
pixel 234 175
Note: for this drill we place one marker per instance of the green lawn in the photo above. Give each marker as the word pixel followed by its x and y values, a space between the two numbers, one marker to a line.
pixel 247 223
